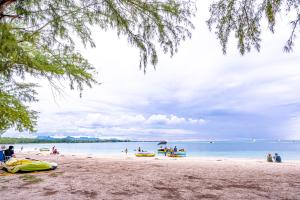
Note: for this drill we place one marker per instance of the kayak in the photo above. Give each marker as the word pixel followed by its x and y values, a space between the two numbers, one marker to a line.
pixel 145 154
pixel 26 165
pixel 44 149
pixel 177 154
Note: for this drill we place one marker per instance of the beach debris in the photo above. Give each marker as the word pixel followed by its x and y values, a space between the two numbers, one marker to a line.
pixel 56 174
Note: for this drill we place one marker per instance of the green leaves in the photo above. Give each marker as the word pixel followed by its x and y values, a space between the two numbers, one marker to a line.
pixel 244 17
pixel 36 39
pixel 13 113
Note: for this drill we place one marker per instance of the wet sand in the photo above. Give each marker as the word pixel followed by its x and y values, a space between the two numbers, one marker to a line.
pixel 121 177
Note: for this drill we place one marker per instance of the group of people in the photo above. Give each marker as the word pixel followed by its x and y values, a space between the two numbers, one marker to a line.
pixel 275 158
pixel 140 150
pixel 171 150
pixel 6 154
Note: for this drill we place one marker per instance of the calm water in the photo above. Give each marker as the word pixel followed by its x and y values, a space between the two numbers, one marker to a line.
pixel 289 150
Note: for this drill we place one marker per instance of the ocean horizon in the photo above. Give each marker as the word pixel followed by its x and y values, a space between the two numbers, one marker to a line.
pixel 255 149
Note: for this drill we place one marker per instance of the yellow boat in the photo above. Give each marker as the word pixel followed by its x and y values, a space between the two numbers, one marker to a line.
pixel 26 165
pixel 178 154
pixel 145 154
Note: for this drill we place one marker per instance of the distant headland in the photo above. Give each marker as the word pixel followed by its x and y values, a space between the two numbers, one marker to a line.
pixel 49 139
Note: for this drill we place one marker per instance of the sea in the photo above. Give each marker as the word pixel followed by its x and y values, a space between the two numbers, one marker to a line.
pixel 288 150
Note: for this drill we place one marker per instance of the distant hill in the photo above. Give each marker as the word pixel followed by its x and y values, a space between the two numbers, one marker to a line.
pixel 49 139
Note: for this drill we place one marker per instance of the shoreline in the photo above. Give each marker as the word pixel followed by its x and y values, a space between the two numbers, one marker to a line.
pixel 122 155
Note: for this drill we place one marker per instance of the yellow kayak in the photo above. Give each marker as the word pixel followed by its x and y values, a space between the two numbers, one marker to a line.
pixel 179 154
pixel 145 154
pixel 26 165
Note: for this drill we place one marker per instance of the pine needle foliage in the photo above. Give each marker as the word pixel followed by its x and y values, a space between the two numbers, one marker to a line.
pixel 244 19
pixel 36 39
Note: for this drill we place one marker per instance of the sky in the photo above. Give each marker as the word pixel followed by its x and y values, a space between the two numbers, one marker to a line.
pixel 198 94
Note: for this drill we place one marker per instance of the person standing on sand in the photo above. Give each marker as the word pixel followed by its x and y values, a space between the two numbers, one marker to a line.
pixel 126 151
pixel 175 149
pixel 171 150
pixel 139 149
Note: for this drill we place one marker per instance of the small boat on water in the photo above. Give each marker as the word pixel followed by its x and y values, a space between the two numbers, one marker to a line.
pixel 27 165
pixel 145 154
pixel 44 149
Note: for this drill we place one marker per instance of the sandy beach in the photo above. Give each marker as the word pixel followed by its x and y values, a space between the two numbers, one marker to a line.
pixel 121 177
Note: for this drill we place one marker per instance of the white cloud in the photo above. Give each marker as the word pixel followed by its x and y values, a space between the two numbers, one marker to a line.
pixel 198 90
pixel 172 120
pixel 293 128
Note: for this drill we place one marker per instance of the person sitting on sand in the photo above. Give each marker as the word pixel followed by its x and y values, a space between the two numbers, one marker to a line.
pixel 9 153
pixel 54 151
pixel 269 158
pixel 277 158
pixel 2 156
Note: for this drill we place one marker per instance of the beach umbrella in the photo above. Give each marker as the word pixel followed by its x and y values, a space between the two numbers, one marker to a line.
pixel 162 142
